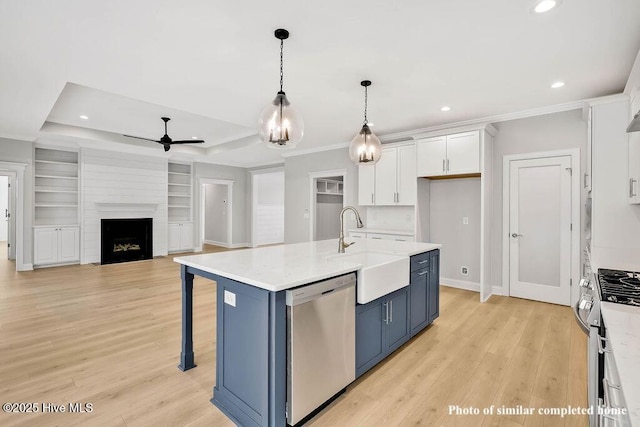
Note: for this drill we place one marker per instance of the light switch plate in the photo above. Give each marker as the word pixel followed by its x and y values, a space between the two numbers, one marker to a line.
pixel 230 298
pixel 465 220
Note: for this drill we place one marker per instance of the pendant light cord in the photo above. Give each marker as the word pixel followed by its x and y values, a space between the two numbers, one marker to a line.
pixel 281 63
pixel 365 104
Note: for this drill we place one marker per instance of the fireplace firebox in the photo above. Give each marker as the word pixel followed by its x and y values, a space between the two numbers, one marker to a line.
pixel 126 239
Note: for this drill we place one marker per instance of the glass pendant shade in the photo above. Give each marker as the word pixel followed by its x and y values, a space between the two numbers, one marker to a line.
pixel 365 147
pixel 280 125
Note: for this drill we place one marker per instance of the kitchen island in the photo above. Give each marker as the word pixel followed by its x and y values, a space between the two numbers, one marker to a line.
pixel 251 346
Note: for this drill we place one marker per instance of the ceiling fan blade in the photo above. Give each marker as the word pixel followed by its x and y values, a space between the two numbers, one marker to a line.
pixel 139 137
pixel 188 141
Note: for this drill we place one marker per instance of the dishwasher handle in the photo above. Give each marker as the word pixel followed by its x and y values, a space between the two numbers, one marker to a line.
pixel 306 293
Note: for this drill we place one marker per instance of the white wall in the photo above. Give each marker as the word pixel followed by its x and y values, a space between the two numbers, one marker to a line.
pixel 450 201
pixel 240 211
pixel 269 209
pixel 12 150
pixel 119 185
pixel 4 205
pixel 297 189
pixel 215 213
pixel 549 132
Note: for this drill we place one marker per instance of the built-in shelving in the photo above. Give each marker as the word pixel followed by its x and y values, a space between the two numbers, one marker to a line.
pixel 56 174
pixel 179 192
pixel 329 187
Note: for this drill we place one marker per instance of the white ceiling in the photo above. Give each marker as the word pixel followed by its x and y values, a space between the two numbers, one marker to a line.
pixel 212 65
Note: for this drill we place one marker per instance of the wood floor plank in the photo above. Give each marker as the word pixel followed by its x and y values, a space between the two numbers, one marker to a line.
pixel 110 335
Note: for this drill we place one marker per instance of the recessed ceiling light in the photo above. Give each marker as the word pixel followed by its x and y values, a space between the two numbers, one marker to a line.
pixel 557 85
pixel 83 117
pixel 543 6
pixel 445 108
pixel 194 137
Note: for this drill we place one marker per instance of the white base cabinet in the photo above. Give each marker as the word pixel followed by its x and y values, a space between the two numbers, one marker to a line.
pixel 56 245
pixel 180 236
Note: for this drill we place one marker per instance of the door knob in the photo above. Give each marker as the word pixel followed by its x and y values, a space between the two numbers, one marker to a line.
pixel 514 235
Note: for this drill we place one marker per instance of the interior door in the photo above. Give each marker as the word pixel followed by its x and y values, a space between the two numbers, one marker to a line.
pixel 540 229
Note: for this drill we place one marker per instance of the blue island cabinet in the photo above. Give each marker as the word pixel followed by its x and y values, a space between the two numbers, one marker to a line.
pixel 386 323
pixel 382 326
pixel 251 346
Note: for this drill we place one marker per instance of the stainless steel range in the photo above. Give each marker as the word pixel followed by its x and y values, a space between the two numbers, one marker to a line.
pixel 622 287
pixel 615 286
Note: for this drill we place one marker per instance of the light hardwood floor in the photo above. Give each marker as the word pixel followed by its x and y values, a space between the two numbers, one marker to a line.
pixel 110 336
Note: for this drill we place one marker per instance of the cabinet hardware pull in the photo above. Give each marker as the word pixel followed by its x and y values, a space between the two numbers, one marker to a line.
pixel 585 180
pixel 391 312
pixel 631 192
pixel 424 261
pixel 371 197
pixel 443 165
pixel 447 165
pixel 423 273
pixel 386 313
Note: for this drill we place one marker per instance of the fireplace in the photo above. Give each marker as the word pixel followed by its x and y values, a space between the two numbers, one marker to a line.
pixel 127 239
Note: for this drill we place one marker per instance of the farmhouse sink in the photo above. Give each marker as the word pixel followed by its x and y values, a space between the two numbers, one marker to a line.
pixel 379 275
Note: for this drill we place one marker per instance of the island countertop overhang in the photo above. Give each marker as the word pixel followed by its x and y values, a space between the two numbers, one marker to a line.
pixel 281 267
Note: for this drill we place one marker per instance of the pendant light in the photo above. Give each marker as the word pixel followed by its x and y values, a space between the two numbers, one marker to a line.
pixel 365 147
pixel 280 125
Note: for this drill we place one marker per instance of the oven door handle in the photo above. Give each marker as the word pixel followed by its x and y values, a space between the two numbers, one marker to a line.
pixel 576 311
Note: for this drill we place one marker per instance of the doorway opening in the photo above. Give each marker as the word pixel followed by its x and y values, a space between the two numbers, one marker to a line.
pixel 328 195
pixel 541 223
pixel 267 207
pixel 216 207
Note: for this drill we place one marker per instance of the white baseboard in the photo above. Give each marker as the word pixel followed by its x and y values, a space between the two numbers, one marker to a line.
pixel 226 245
pixel 460 284
pixel 497 290
pixel 25 267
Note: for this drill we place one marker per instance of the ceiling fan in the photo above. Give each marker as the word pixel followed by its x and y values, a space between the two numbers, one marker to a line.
pixel 166 141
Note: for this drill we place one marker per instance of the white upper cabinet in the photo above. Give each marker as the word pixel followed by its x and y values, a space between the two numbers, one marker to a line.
pixel 407 177
pixel 366 185
pixel 386 177
pixel 432 156
pixel 392 181
pixel 457 154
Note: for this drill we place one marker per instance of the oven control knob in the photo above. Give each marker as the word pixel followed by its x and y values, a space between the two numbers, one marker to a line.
pixel 584 283
pixel 588 305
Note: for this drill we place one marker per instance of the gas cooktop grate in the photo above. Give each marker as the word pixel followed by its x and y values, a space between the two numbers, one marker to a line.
pixel 621 287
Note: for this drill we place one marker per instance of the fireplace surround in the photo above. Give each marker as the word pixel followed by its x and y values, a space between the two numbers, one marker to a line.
pixel 126 239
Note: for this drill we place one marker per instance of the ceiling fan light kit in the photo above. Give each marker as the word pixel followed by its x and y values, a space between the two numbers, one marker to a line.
pixel 280 125
pixel 365 147
pixel 166 141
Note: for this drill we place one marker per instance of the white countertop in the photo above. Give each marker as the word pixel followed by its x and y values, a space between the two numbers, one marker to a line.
pixel 276 268
pixel 382 231
pixel 623 328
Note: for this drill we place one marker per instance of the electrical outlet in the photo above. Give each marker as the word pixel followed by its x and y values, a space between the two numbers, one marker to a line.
pixel 305 215
pixel 465 220
pixel 464 270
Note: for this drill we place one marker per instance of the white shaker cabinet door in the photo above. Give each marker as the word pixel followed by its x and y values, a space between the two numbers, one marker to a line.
pixel 45 242
pixel 407 178
pixel 68 244
pixel 463 153
pixel 386 171
pixel 366 185
pixel 187 236
pixel 174 236
pixel 431 156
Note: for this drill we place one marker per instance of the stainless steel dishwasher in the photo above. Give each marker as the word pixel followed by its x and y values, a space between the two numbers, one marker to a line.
pixel 321 356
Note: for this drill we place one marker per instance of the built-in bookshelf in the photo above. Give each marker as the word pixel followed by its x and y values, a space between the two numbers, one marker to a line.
pixel 179 192
pixel 329 186
pixel 55 187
